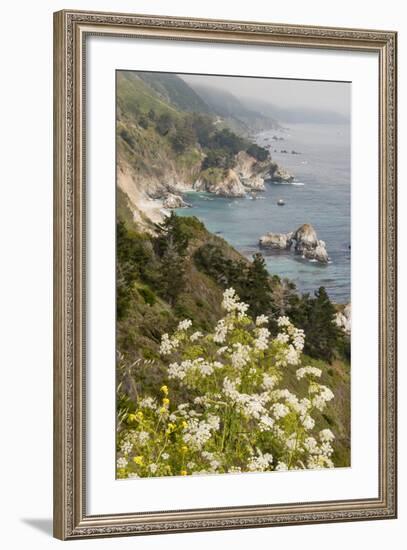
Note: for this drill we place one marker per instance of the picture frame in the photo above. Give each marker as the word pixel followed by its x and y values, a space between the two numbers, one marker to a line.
pixel 72 30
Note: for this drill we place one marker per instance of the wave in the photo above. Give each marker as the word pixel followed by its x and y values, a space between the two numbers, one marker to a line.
pixel 295 183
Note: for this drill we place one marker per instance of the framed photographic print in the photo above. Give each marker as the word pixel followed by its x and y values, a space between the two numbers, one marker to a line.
pixel 225 274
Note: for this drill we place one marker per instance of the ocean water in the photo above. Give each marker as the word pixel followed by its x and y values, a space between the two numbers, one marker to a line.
pixel 320 195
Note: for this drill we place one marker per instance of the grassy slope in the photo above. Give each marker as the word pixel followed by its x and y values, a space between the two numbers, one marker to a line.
pixel 144 149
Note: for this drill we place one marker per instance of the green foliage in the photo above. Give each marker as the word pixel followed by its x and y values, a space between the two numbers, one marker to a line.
pixel 164 124
pixel 143 122
pixel 259 153
pixel 172 89
pixel 258 290
pixel 183 137
pixel 228 140
pixel 251 280
pixel 126 135
pixel 222 406
pixel 203 127
pixel 148 295
pixel 219 158
pixel 315 315
pixel 132 257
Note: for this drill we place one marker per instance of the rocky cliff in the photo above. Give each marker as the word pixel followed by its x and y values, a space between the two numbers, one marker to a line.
pixel 165 148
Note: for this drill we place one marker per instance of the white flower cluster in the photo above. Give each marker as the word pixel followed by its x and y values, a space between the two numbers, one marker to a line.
pixel 322 396
pixel 261 320
pixel 262 341
pixel 283 321
pixel 240 356
pixel 231 303
pixel 148 403
pixel 122 462
pixel 311 371
pixel 260 462
pixel 198 432
pixel 221 331
pixel 168 345
pixel 240 417
pixel 184 325
pixel 197 366
pixel 195 336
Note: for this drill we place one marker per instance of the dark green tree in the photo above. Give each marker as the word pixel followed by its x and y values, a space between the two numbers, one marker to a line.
pixel 171 245
pixel 183 137
pixel 164 124
pixel 259 153
pixel 316 316
pixel 151 115
pixel 132 259
pixel 257 291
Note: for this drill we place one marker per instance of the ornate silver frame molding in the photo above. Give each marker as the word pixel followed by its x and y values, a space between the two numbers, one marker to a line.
pixel 70 31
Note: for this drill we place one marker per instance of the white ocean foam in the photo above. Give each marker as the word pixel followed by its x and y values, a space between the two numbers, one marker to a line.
pixel 296 183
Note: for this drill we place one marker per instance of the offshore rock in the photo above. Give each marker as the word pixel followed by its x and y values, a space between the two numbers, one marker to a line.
pixel 276 241
pixel 174 201
pixel 308 245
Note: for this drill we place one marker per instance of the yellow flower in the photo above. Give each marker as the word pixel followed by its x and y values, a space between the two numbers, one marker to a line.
pixel 121 472
pixel 170 428
pixel 166 401
pixel 164 389
pixel 184 472
pixel 184 424
pixel 138 460
pixel 135 417
pixel 163 410
pixel 184 449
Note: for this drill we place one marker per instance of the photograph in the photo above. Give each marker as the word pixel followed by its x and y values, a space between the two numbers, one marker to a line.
pixel 233 274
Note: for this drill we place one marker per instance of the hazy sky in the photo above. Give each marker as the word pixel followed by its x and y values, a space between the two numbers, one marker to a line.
pixel 308 94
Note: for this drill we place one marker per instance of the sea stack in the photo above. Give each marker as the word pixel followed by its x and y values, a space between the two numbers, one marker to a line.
pixel 276 241
pixel 308 245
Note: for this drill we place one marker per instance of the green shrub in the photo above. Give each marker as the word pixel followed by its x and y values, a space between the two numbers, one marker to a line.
pixel 148 295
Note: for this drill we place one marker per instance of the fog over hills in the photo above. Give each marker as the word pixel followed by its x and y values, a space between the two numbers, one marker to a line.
pixel 274 100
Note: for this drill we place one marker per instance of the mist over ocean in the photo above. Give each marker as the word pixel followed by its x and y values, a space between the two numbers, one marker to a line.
pixel 319 196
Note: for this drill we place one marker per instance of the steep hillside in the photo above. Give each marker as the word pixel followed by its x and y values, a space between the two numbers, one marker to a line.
pixel 181 273
pixel 172 268
pixel 175 91
pixel 238 116
pixel 165 147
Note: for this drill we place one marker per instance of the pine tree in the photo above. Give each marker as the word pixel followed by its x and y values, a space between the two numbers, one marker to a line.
pixel 316 316
pixel 171 245
pixel 257 292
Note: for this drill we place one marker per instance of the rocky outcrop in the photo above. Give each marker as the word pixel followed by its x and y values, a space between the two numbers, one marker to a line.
pixel 174 201
pixel 343 319
pixel 253 183
pixel 279 175
pixel 276 241
pixel 251 172
pixel 224 185
pixel 306 243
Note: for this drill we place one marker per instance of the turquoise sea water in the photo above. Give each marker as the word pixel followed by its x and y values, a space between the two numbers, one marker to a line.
pixel 320 196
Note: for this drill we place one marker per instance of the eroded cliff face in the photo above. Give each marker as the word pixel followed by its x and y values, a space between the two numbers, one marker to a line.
pixel 154 191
